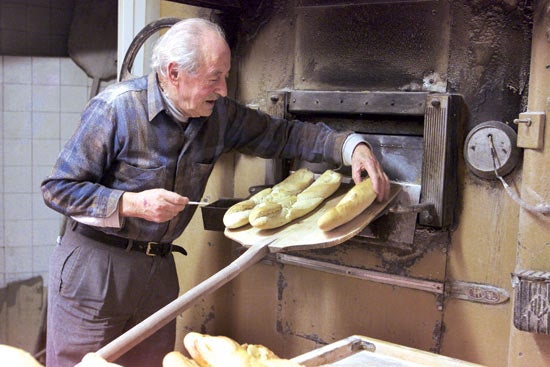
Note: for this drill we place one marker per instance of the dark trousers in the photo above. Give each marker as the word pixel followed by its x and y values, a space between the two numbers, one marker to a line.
pixel 97 292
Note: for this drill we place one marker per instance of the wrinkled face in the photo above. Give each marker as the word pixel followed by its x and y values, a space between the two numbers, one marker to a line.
pixel 197 92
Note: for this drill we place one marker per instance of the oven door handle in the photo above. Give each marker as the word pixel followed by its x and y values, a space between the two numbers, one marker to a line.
pixel 415 208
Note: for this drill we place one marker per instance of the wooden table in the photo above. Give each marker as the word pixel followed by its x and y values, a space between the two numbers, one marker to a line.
pixel 361 351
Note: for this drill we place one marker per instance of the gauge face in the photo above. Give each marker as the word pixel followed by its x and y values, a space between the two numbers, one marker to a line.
pixel 491 146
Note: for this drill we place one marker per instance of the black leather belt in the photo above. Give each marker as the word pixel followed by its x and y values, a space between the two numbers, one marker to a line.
pixel 149 248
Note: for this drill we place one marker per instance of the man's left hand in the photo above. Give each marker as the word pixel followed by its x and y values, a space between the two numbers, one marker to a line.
pixel 363 159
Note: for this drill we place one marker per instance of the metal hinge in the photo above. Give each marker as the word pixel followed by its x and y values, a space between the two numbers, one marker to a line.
pixel 475 292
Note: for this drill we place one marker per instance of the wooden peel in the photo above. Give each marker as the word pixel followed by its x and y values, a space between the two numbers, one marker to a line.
pixel 301 234
pixel 304 234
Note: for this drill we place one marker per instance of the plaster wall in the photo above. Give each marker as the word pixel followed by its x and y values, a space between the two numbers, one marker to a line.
pixel 294 310
pixel 482 51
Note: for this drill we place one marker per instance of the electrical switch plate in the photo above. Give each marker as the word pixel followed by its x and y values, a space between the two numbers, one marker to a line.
pixel 531 130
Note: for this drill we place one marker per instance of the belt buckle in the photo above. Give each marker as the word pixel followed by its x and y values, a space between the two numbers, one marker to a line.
pixel 149 248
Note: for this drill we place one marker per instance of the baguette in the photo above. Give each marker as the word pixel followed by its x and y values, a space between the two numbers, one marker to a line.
pixel 263 357
pixel 16 357
pixel 258 351
pixel 271 214
pixel 221 351
pixel 354 202
pixel 296 182
pixel 274 214
pixel 214 351
pixel 314 195
pixel 238 215
pixel 176 359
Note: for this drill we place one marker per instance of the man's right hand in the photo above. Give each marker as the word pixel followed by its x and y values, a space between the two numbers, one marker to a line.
pixel 155 205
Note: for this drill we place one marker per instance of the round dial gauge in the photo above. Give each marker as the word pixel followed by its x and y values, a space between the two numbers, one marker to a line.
pixel 491 144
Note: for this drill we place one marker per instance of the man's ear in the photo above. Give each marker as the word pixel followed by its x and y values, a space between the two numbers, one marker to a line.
pixel 173 72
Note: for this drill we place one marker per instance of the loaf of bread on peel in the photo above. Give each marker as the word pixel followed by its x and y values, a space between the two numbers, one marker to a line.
pixel 354 202
pixel 177 359
pixel 316 193
pixel 270 214
pixel 296 182
pixel 238 215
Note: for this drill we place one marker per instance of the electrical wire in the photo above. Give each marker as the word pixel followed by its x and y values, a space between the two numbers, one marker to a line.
pixel 541 208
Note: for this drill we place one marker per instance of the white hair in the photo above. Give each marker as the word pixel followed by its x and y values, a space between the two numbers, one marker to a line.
pixel 182 44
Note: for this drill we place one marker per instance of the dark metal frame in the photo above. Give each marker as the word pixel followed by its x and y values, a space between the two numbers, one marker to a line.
pixel 441 112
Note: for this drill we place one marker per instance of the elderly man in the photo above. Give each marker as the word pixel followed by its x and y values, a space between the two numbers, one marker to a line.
pixel 143 149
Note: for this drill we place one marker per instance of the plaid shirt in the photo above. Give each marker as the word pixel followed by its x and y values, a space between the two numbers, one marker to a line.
pixel 127 142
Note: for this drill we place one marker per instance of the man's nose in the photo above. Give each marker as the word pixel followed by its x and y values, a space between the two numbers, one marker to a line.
pixel 221 88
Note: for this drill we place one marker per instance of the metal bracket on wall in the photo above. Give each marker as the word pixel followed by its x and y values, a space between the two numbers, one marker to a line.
pixel 475 292
pixel 467 291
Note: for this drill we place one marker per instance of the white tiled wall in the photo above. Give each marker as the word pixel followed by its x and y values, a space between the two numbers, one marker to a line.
pixel 41 99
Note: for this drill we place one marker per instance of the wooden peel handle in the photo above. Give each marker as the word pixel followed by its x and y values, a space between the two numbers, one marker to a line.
pixel 150 325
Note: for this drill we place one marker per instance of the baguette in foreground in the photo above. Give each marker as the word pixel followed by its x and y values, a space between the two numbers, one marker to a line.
pixel 213 351
pixel 221 351
pixel 16 357
pixel 177 359
pixel 354 202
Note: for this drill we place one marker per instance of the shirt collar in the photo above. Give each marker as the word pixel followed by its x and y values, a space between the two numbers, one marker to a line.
pixel 154 96
pixel 158 101
pixel 172 110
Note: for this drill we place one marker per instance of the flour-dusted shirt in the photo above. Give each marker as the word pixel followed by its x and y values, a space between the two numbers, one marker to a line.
pixel 127 142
